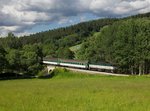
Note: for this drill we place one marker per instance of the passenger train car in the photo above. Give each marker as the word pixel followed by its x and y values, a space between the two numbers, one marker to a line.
pixel 79 64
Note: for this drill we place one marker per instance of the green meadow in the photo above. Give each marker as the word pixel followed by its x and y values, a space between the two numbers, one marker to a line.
pixel 76 92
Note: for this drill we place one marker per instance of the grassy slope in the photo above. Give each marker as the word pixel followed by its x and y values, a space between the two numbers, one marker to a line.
pixel 76 93
pixel 75 48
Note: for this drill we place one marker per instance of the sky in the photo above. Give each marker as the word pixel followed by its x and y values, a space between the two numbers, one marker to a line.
pixel 23 17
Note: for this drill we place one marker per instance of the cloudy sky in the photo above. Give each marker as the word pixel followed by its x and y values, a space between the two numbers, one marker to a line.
pixel 30 16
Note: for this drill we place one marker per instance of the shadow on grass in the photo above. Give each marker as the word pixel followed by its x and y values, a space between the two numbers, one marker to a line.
pixel 14 76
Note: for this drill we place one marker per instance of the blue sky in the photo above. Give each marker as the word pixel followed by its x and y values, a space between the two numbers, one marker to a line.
pixel 24 17
pixel 55 25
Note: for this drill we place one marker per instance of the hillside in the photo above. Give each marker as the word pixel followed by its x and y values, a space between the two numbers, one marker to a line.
pixel 100 40
pixel 125 44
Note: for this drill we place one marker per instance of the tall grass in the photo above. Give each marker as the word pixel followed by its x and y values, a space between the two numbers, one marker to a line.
pixel 64 73
pixel 68 91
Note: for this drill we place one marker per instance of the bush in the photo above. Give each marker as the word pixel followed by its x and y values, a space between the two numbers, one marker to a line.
pixel 43 74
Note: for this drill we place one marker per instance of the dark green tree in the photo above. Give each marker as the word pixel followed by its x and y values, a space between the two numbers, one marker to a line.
pixel 2 59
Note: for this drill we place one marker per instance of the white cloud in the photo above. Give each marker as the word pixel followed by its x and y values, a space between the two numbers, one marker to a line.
pixel 19 15
pixel 119 7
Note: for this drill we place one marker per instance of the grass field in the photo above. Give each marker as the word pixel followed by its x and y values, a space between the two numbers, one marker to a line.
pixel 76 93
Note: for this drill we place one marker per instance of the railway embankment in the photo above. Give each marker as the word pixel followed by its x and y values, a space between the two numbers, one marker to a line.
pixel 96 72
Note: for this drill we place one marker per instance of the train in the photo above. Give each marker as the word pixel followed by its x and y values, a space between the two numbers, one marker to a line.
pixel 79 64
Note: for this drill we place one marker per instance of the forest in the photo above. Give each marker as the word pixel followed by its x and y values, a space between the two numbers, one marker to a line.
pixel 122 42
pixel 125 44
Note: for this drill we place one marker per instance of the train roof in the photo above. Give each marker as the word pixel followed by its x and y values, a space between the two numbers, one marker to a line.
pixel 76 61
pixel 64 60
